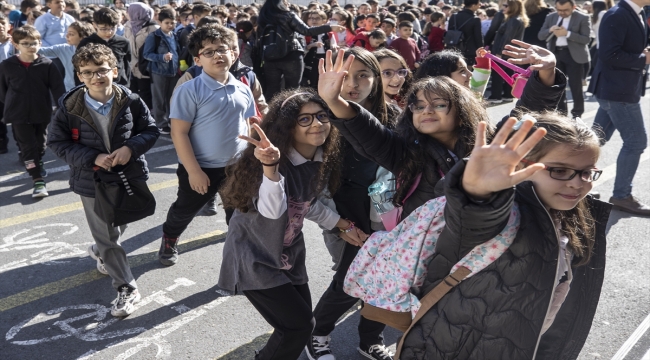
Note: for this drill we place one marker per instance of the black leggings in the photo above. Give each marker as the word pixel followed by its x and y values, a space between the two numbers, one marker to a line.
pixel 288 309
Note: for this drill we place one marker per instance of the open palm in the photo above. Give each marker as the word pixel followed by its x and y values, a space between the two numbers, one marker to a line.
pixel 492 168
pixel 538 57
pixel 331 76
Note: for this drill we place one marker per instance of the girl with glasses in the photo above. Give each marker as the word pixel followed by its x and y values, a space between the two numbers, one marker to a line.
pixel 395 75
pixel 538 299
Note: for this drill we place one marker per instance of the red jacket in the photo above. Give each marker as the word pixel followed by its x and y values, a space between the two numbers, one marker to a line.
pixel 436 37
pixel 409 50
pixel 362 40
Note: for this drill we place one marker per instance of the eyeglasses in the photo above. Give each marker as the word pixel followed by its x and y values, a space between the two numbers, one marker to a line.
pixel 107 30
pixel 567 174
pixel 210 53
pixel 29 44
pixel 305 120
pixel 89 74
pixel 442 106
pixel 315 18
pixel 390 73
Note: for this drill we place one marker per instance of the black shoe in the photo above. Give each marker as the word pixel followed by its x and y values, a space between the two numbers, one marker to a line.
pixel 209 209
pixel 3 145
pixel 375 352
pixel 168 253
pixel 319 348
pixel 165 130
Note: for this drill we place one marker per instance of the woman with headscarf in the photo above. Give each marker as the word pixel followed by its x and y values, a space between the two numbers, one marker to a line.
pixel 139 26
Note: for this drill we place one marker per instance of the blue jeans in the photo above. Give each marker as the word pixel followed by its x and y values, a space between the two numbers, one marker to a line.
pixel 628 120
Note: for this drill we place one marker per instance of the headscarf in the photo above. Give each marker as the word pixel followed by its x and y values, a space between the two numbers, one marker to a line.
pixel 139 15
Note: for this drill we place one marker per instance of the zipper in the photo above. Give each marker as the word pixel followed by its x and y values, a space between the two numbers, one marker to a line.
pixel 113 123
pixel 557 268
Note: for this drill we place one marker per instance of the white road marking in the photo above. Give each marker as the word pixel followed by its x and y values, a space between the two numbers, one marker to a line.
pixel 646 356
pixel 636 335
pixel 180 282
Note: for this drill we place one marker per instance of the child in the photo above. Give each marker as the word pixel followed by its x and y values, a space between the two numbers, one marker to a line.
pixel 545 287
pixel 406 46
pixel 395 76
pixel 388 26
pixel 316 48
pixel 360 23
pixel 28 82
pixel 77 31
pixel 485 24
pixel 105 21
pixel 273 188
pixel 114 128
pixel 246 41
pixel 437 32
pixel 53 26
pixel 370 41
pixel 162 50
pixel 207 114
pixel 6 46
pixel 371 23
pixel 26 7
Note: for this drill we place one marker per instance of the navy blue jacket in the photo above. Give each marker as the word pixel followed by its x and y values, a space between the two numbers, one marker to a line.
pixel 156 56
pixel 137 133
pixel 620 69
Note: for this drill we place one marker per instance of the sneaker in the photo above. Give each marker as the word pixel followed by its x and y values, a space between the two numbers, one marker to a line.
pixel 631 205
pixel 508 99
pixel 127 297
pixel 165 130
pixel 209 209
pixel 43 171
pixel 319 348
pixel 168 253
pixel 39 190
pixel 494 101
pixel 100 263
pixel 375 352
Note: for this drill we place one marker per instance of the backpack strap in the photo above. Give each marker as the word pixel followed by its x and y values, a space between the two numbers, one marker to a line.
pixel 432 298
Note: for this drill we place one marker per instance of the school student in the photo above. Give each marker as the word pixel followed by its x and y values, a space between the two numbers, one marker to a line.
pixel 6 50
pixel 316 48
pixel 162 50
pixel 207 114
pixel 370 41
pixel 136 30
pixel 77 31
pixel 28 82
pixel 395 75
pixel 538 299
pixel 53 26
pixel 406 46
pixel 274 187
pixel 102 124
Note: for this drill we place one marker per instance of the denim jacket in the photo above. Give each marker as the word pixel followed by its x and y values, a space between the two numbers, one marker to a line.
pixel 157 64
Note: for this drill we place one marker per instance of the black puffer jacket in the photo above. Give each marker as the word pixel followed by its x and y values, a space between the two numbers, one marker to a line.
pixel 498 313
pixel 139 134
pixel 289 24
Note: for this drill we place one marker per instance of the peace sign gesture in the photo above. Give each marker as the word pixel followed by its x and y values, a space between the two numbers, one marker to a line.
pixel 492 168
pixel 265 151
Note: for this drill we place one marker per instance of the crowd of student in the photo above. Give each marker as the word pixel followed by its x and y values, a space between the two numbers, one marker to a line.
pixel 373 95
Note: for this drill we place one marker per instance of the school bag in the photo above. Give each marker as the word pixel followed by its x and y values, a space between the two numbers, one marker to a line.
pixel 392 264
pixel 143 64
pixel 273 43
pixel 454 38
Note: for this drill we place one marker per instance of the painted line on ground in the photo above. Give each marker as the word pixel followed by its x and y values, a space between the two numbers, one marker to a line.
pixel 646 356
pixel 37 215
pixel 23 175
pixel 609 172
pixel 56 287
pixel 632 340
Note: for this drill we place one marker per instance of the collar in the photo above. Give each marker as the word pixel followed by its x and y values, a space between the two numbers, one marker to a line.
pixel 637 9
pixel 96 105
pixel 297 159
pixel 213 84
pixel 566 18
pixel 57 17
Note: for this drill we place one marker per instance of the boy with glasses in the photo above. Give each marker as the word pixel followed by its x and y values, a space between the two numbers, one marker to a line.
pixel 27 84
pixel 103 125
pixel 208 113
pixel 106 21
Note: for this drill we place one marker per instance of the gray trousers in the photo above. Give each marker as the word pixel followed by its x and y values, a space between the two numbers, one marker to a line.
pixel 162 88
pixel 106 242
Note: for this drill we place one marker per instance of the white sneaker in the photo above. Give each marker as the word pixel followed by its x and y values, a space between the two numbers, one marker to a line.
pixel 100 263
pixel 126 299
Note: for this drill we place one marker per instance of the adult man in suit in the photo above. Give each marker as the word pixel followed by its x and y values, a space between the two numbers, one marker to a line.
pixel 618 82
pixel 566 33
pixel 467 22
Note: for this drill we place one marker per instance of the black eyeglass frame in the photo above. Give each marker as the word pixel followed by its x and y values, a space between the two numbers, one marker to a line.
pixel 313 116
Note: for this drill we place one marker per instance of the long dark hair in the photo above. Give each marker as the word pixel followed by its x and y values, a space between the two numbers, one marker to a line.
pixel 596 7
pixel 390 54
pixel 469 112
pixel 271 12
pixel 245 176
pixel 441 63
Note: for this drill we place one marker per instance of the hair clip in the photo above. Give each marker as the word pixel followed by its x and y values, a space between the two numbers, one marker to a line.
pixel 294 95
pixel 521 121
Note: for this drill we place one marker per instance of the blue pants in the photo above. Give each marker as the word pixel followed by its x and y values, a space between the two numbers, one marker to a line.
pixel 628 120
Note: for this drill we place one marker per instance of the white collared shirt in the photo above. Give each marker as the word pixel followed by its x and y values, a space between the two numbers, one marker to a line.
pixel 562 40
pixel 637 9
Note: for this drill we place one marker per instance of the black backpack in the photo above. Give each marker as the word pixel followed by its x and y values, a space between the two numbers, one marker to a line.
pixel 273 45
pixel 143 64
pixel 455 38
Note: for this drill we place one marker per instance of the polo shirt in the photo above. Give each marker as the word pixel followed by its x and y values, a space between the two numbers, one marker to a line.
pixel 6 50
pixel 101 108
pixel 218 114
pixel 52 28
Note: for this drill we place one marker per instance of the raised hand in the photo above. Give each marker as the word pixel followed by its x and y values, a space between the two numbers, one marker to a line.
pixel 331 76
pixel 265 151
pixel 492 168
pixel 538 57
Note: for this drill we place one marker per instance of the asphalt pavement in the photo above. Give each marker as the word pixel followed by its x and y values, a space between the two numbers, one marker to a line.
pixel 54 304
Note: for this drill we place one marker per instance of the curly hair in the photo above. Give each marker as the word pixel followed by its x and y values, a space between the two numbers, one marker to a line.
pixel 469 112
pixel 245 176
pixel 210 34
pixel 96 54
pixel 439 63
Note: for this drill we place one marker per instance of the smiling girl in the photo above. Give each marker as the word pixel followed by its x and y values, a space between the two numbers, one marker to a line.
pixel 395 75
